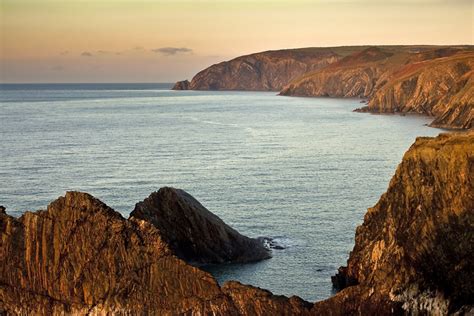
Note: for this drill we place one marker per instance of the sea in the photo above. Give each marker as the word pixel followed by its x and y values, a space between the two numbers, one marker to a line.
pixel 300 170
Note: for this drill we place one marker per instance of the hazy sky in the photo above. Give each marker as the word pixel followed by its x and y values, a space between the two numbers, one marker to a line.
pixel 168 40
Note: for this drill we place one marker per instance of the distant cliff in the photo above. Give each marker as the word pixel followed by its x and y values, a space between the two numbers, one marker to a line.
pixel 436 82
pixel 412 254
pixel 430 80
pixel 267 71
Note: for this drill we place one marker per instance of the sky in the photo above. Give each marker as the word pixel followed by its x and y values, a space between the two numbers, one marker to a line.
pixel 168 40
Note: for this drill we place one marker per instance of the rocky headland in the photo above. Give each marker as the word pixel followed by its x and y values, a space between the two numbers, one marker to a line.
pixel 412 254
pixel 430 80
pixel 267 71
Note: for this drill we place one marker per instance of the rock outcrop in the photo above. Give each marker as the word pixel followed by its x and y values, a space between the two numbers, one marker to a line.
pixel 412 254
pixel 437 82
pixel 195 234
pixel 414 251
pixel 81 257
pixel 181 85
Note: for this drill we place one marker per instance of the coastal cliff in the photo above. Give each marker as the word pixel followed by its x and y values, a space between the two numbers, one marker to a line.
pixel 431 80
pixel 414 251
pixel 436 83
pixel 443 88
pixel 412 254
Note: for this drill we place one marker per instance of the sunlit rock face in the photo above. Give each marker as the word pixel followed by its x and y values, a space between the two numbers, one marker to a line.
pixel 437 82
pixel 413 253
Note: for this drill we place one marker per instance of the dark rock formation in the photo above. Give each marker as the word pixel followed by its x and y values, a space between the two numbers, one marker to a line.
pixel 341 279
pixel 415 249
pixel 181 85
pixel 195 234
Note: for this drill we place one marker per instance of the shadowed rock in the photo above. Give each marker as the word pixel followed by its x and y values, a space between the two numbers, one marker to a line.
pixel 181 85
pixel 194 233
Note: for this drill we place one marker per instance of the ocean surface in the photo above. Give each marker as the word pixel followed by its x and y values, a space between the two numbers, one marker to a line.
pixel 301 170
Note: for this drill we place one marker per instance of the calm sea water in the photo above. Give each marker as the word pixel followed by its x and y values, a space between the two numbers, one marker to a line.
pixel 302 170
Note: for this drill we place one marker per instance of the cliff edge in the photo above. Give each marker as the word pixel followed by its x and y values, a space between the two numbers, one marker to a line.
pixel 414 251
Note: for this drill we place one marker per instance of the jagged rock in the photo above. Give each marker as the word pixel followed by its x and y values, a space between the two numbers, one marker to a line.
pixel 442 87
pixel 195 234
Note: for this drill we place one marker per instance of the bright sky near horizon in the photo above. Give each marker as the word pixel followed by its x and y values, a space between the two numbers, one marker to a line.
pixel 169 40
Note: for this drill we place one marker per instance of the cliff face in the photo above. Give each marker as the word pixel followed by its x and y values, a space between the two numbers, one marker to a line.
pixel 267 71
pixel 200 236
pixel 414 249
pixel 356 75
pixel 436 82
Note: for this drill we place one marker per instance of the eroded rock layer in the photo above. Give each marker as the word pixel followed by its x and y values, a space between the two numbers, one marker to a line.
pixel 437 82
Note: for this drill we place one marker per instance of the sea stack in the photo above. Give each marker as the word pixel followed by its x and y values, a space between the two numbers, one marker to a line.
pixel 181 85
pixel 195 234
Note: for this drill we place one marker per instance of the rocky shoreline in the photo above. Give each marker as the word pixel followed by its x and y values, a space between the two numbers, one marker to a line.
pixel 412 254
pixel 436 81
